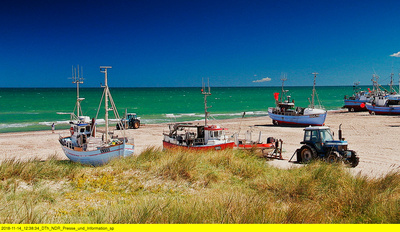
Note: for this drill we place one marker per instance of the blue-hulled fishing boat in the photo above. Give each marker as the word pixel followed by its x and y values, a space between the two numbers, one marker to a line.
pixel 285 112
pixel 84 147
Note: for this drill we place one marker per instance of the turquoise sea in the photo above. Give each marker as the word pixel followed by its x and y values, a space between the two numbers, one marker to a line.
pixel 27 109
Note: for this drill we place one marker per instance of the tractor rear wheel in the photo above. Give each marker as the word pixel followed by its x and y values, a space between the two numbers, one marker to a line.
pixel 136 124
pixel 308 153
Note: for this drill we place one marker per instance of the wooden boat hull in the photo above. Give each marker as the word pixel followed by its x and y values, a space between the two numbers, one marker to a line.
pixel 299 120
pixel 383 110
pixel 100 156
pixel 222 146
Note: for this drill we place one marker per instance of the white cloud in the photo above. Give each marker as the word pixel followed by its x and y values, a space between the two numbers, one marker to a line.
pixel 397 54
pixel 263 80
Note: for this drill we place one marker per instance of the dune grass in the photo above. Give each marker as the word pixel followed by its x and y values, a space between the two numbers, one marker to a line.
pixel 193 187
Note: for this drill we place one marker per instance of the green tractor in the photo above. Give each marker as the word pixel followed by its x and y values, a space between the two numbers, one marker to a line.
pixel 318 143
pixel 130 121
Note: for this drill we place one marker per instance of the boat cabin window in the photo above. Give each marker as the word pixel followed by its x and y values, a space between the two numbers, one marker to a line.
pixel 215 134
pixel 82 129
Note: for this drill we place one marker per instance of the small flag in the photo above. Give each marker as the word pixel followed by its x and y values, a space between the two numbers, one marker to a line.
pixel 276 96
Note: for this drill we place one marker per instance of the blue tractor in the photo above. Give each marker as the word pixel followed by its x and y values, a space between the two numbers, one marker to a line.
pixel 318 143
pixel 130 121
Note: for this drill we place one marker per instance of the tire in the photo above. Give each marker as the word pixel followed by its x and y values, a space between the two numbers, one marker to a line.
pixel 117 126
pixel 308 154
pixel 136 124
pixel 353 160
pixel 351 109
pixel 276 123
pixel 332 158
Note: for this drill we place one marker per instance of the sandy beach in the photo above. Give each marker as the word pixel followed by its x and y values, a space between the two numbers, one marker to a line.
pixel 374 138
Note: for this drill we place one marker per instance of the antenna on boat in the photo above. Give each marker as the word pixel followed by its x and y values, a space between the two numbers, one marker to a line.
pixel 313 91
pixel 77 79
pixel 205 93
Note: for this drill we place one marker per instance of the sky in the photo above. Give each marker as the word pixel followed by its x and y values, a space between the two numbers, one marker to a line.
pixel 174 43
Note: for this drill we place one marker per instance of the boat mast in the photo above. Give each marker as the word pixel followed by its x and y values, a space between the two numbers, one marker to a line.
pixel 77 79
pixel 283 79
pixel 205 100
pixel 313 91
pixel 391 82
pixel 103 69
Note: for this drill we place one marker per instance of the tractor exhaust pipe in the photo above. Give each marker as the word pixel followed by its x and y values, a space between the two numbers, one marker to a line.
pixel 340 132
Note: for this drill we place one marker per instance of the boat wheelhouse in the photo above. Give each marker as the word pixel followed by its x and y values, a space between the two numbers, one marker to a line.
pixel 197 137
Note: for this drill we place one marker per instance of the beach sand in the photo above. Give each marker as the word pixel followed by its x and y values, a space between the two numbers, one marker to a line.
pixel 374 138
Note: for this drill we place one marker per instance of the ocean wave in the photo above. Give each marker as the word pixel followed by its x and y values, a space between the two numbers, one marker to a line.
pixel 253 113
pixel 15 125
pixel 19 113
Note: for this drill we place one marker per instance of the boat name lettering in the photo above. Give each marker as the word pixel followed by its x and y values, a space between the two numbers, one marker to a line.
pixel 104 150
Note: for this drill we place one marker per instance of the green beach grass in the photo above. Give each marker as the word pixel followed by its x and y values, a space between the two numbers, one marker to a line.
pixel 193 187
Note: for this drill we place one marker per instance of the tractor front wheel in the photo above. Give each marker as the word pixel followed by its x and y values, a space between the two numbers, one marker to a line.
pixel 307 153
pixel 353 160
pixel 332 158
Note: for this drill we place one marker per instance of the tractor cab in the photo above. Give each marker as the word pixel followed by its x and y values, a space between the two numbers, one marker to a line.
pixel 322 139
pixel 130 116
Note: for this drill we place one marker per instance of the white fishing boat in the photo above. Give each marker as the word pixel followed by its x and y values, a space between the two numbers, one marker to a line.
pixel 197 137
pixel 285 112
pixel 83 146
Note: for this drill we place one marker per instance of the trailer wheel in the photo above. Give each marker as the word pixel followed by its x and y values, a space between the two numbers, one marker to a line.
pixel 276 123
pixel 308 153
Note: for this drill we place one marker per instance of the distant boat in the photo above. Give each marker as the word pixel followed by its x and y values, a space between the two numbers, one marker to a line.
pixel 357 101
pixel 197 137
pixel 384 102
pixel 82 146
pixel 285 112
pixel 383 105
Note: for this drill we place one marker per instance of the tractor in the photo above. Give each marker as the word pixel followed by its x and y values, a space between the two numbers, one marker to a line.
pixel 318 143
pixel 130 121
